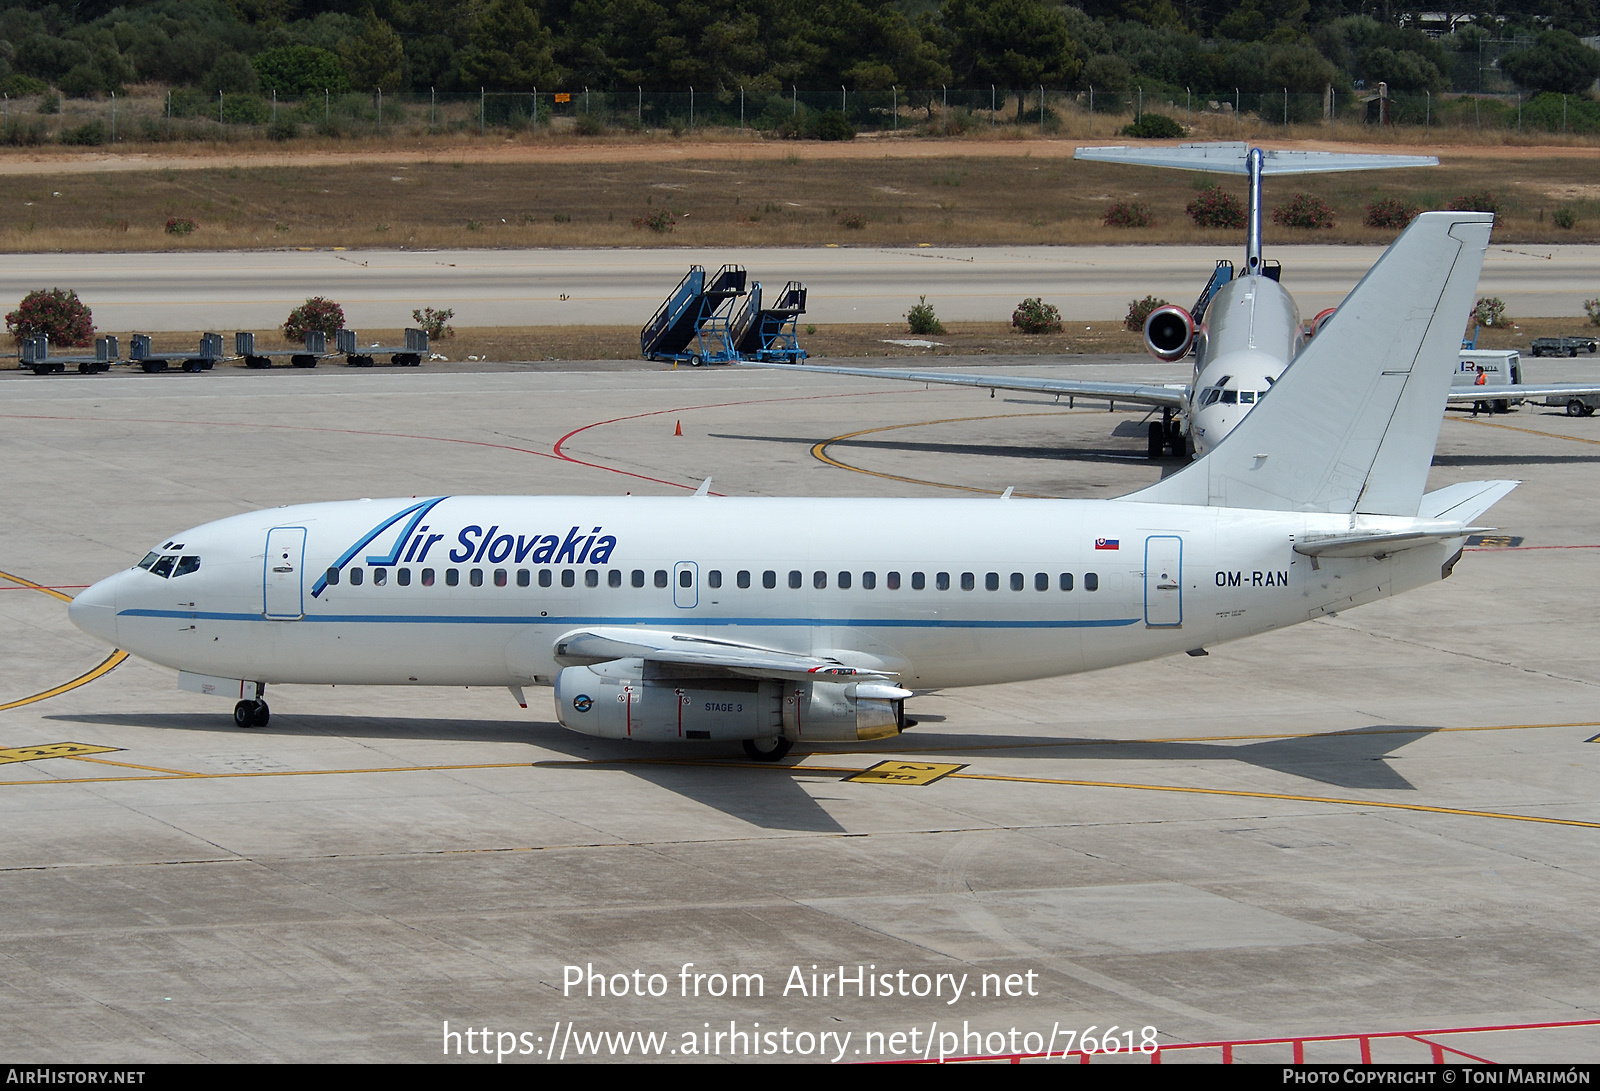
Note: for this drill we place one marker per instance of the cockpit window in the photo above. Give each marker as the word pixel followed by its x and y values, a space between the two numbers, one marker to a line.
pixel 1211 398
pixel 149 559
pixel 1247 397
pixel 186 565
pixel 1230 397
pixel 163 567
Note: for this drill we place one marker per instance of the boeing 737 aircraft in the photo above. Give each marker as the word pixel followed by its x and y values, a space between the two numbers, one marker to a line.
pixel 1243 329
pixel 775 621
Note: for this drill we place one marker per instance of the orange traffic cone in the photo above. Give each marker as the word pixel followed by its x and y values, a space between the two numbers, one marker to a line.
pixel 678 431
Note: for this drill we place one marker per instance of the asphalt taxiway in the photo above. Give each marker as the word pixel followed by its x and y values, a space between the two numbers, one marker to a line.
pixel 1384 823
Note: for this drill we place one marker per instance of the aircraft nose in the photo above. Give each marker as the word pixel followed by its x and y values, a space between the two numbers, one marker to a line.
pixel 95 610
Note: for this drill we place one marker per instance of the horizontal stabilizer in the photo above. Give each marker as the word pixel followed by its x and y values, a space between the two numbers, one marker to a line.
pixel 1465 501
pixel 585 647
pixel 1232 158
pixel 1383 543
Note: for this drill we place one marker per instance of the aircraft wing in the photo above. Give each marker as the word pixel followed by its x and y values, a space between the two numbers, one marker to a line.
pixel 586 647
pixel 1173 396
pixel 1466 395
pixel 1231 158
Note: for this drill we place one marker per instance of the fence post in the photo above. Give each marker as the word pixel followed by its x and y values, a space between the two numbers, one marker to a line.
pixel 1427 116
pixel 1140 112
pixel 691 108
pixel 1563 115
pixel 946 105
pixel 1041 109
pixel 169 114
pixel 535 125
pixel 380 109
pixel 991 106
pixel 433 107
pixel 894 97
pixel 794 100
pixel 482 105
pixel 327 114
pixel 1091 104
pixel 640 88
pixel 219 106
pixel 843 110
pixel 741 107
pixel 1285 109
pixel 1235 109
pixel 113 115
pixel 274 105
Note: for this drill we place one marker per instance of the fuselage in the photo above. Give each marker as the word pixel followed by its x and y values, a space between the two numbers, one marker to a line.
pixel 478 590
pixel 1252 330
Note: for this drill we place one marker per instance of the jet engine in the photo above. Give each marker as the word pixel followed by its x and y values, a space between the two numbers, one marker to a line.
pixel 1316 324
pixel 1169 332
pixel 641 699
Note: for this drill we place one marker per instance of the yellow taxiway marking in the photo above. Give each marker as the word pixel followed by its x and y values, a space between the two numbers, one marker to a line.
pixel 905 772
pixel 35 586
pixel 819 451
pixel 1529 431
pixel 106 666
pixel 52 750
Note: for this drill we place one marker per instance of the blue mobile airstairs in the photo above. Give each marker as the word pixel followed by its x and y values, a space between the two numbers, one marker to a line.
pixel 714 320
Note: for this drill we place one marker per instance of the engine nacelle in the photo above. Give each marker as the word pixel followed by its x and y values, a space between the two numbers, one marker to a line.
pixel 635 699
pixel 1315 325
pixel 1169 332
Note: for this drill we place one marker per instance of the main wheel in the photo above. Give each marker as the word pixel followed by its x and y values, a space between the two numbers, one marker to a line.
pixel 263 714
pixel 1575 408
pixel 1158 439
pixel 773 749
pixel 1572 351
pixel 244 713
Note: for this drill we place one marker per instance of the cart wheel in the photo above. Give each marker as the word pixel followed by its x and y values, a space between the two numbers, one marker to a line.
pixel 695 360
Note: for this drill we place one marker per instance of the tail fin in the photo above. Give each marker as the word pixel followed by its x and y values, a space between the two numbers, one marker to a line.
pixel 1351 424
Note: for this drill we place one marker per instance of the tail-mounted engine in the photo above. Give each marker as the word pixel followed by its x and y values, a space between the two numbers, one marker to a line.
pixel 638 699
pixel 1169 332
pixel 1315 325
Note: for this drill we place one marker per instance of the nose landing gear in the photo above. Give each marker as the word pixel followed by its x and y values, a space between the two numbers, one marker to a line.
pixel 253 713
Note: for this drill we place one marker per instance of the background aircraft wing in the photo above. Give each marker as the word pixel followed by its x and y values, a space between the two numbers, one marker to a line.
pixel 1231 158
pixel 586 647
pixel 1174 396
pixel 1465 395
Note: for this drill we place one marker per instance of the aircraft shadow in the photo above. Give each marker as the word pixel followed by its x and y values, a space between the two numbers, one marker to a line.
pixel 1512 460
pixel 991 450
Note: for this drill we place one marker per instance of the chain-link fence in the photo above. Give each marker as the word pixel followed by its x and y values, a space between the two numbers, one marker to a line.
pixel 185 114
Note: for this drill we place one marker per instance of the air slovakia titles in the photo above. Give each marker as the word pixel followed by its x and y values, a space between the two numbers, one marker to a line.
pixel 474 545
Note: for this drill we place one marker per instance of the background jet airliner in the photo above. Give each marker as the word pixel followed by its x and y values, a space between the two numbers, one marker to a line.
pixel 1243 329
pixel 775 621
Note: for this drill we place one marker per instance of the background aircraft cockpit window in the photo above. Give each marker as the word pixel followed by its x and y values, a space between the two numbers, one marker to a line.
pixel 714 578
pixel 333 577
pixel 380 576
pixel 591 577
pixel 476 577
pixel 892 581
pixel 769 579
pixel 968 581
pixel 355 577
pixel 869 580
pixel 844 581
pixel 1091 581
pixel 402 576
pixel 1066 581
pixel 661 577
pixel 452 577
pixel 499 577
pixel 427 577
pixel 149 559
pixel 568 578
pixel 614 577
pixel 742 579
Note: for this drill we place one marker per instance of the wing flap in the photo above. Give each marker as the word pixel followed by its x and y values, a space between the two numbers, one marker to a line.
pixel 586 647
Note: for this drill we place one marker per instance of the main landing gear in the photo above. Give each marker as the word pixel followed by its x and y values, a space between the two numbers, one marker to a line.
pixel 772 749
pixel 1167 433
pixel 253 713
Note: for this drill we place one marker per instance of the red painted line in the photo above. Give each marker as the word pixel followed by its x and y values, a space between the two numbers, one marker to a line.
pixel 1440 1049
pixel 1518 549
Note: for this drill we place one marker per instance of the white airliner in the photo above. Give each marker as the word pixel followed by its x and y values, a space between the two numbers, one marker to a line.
pixel 1243 329
pixel 776 621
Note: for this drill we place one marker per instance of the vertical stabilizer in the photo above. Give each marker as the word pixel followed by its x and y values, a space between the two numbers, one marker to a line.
pixel 1351 424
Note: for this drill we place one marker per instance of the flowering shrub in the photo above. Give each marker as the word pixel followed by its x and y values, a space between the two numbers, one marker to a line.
pixel 58 314
pixel 921 319
pixel 1591 307
pixel 1036 316
pixel 1216 207
pixel 315 313
pixel 1304 210
pixel 1139 310
pixel 1491 312
pixel 1128 214
pixel 660 222
pixel 1475 202
pixel 178 225
pixel 434 323
pixel 1389 212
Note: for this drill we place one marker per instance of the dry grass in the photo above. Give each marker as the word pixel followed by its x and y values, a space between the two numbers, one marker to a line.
pixel 956 198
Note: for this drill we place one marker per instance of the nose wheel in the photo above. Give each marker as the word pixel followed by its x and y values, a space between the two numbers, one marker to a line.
pixel 251 714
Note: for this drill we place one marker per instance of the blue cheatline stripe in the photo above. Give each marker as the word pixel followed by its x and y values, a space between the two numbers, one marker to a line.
pixel 671 620
pixel 421 510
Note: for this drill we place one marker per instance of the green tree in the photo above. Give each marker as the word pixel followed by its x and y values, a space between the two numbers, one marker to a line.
pixel 375 58
pixel 1016 44
pixel 294 70
pixel 1558 62
pixel 509 50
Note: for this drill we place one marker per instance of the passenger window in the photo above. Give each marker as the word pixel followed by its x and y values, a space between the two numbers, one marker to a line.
pixel 714 578
pixel 869 580
pixel 402 576
pixel 544 577
pixel 524 577
pixel 427 577
pixel 591 578
pixel 1247 397
pixel 661 577
pixel 186 566
pixel 614 577
pixel 686 578
pixel 333 577
pixel 819 580
pixel 795 579
pixel 1091 581
pixel 918 581
pixel 355 575
pixel 475 577
pixel 991 581
pixel 150 559
pixel 742 579
pixel 452 577
pixel 968 581
pixel 163 567
pixel 1230 397
pixel 638 577
pixel 892 581
pixel 769 579
pixel 1041 581
pixel 568 577
pixel 1016 581
pixel 1066 581
pixel 844 581
pixel 942 581
pixel 380 576
pixel 499 577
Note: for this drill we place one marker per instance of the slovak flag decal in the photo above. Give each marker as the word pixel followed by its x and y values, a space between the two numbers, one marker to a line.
pixel 1106 543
